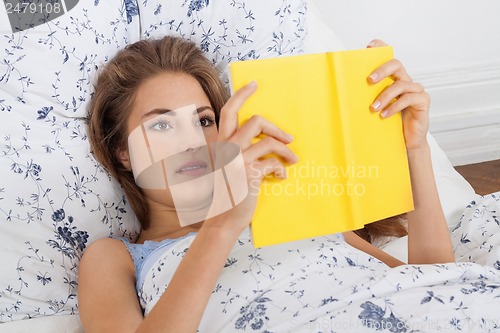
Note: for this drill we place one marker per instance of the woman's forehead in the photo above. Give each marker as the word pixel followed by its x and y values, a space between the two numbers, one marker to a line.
pixel 167 91
pixel 170 88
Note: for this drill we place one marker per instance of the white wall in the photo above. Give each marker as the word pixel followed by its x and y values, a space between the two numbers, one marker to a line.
pixel 450 46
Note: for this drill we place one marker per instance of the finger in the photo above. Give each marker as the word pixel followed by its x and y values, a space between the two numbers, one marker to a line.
pixel 256 126
pixel 267 167
pixel 393 68
pixel 417 101
pixel 268 146
pixel 260 169
pixel 228 121
pixel 394 91
pixel 376 43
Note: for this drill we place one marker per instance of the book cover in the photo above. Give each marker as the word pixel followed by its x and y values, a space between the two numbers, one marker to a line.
pixel 352 169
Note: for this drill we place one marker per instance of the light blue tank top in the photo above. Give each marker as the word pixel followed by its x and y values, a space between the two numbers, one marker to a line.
pixel 149 252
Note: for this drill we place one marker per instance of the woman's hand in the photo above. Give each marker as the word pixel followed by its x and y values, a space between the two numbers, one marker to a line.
pixel 428 237
pixel 403 95
pixel 256 156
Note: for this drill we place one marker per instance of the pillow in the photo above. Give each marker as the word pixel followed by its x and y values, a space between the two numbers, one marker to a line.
pixel 229 30
pixel 52 64
pixel 54 198
pixel 319 38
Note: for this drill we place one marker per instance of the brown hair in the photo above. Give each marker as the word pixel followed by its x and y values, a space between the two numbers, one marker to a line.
pixel 394 226
pixel 115 93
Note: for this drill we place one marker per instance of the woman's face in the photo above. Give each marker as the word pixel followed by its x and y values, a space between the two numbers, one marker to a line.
pixel 178 134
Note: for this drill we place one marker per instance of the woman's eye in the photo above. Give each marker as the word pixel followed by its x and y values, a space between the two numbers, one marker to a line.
pixel 161 125
pixel 205 122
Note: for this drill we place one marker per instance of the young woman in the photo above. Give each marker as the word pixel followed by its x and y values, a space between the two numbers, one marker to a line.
pixel 152 78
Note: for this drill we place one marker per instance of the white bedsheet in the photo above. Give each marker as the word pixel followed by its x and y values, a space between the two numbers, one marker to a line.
pixel 49 324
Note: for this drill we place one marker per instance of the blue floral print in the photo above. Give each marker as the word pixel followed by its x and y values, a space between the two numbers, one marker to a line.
pixel 243 32
pixel 196 5
pixel 253 315
pixel 373 316
pixel 131 8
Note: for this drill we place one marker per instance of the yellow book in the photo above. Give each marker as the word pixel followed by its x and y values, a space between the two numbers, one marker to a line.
pixel 352 169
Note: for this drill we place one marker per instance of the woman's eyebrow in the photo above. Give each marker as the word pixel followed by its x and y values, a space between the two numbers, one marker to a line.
pixel 155 112
pixel 203 108
pixel 172 112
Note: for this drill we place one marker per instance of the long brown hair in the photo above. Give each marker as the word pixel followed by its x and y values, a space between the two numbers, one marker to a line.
pixel 115 93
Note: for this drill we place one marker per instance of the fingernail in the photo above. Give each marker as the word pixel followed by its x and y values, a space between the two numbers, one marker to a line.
pixel 376 105
pixel 371 44
pixel 373 77
pixel 384 113
pixel 289 136
pixel 252 84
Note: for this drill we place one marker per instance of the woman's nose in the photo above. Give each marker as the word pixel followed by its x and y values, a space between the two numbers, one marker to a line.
pixel 192 139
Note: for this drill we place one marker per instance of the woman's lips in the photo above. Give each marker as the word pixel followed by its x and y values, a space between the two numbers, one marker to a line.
pixel 193 168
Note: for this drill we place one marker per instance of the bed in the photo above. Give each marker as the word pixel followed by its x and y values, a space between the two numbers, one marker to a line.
pixel 55 199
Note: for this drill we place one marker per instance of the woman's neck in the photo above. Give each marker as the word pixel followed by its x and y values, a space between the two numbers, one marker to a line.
pixel 164 223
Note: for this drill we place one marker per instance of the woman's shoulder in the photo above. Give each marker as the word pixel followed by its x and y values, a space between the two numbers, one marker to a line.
pixel 114 244
pixel 107 252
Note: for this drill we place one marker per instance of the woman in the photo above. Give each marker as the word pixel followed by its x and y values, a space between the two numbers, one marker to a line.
pixel 152 78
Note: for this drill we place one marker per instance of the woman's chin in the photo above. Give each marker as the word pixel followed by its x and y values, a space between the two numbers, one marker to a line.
pixel 193 194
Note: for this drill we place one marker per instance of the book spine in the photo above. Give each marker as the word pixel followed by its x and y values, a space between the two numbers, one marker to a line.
pixel 342 127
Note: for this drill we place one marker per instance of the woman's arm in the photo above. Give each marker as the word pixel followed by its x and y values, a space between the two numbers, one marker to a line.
pixel 107 299
pixel 428 237
pixel 181 306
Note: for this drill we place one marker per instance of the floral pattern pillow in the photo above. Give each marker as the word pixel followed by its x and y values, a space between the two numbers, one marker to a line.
pixel 55 199
pixel 229 30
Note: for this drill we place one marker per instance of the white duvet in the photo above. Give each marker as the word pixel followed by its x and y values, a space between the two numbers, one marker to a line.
pixel 325 285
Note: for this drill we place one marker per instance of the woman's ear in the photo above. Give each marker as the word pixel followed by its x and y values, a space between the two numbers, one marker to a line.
pixel 124 158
